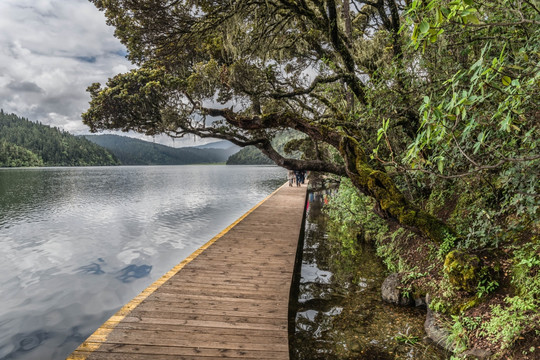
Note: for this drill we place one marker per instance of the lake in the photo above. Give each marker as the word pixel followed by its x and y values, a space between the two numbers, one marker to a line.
pixel 78 243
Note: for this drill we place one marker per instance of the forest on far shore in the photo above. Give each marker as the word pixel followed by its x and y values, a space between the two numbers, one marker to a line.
pixel 26 143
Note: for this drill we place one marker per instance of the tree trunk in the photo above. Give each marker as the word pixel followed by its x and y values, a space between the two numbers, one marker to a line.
pixel 391 202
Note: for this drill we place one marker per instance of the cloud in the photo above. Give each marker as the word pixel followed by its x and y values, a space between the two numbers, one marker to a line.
pixel 24 86
pixel 50 52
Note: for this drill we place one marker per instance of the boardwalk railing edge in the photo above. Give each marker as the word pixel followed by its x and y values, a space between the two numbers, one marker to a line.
pixel 94 341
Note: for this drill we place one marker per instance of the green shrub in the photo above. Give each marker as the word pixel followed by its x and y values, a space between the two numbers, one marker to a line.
pixel 509 322
pixel 526 271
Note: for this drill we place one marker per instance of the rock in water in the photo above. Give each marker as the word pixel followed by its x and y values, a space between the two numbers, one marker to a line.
pixel 391 291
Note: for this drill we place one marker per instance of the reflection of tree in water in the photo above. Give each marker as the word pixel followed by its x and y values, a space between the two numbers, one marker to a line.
pixel 132 272
pixel 93 268
pixel 341 315
pixel 126 275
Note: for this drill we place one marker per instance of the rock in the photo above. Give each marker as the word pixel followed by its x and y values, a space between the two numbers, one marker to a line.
pixel 419 301
pixel 391 291
pixel 476 353
pixel 355 347
pixel 463 270
pixel 436 331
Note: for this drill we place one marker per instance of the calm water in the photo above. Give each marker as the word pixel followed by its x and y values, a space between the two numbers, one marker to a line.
pixel 339 313
pixel 78 243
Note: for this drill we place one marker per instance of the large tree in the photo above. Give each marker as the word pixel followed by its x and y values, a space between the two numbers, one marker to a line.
pixel 387 88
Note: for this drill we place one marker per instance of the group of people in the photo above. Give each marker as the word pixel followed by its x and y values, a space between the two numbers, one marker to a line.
pixel 296 176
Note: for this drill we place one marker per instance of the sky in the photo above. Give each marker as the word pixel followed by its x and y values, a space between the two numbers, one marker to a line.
pixel 50 52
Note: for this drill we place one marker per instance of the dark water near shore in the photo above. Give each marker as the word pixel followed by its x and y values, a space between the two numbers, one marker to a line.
pixel 340 313
pixel 78 243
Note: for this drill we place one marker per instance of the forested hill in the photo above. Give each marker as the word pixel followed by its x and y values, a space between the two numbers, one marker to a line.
pixel 250 155
pixel 26 143
pixel 132 151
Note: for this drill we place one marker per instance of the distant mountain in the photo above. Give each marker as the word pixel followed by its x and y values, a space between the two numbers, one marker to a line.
pixel 250 155
pixel 26 143
pixel 132 151
pixel 222 144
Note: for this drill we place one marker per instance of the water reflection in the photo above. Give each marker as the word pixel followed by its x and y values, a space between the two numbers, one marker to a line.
pixel 339 312
pixel 93 268
pixel 31 341
pixel 24 343
pixel 133 272
pixel 78 243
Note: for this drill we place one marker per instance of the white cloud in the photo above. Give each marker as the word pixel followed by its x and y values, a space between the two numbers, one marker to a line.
pixel 50 52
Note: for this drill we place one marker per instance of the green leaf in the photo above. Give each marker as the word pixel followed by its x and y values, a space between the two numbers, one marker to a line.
pixel 438 16
pixel 506 80
pixel 481 137
pixel 473 19
pixel 440 165
pixel 415 32
pixel 380 133
pixel 424 27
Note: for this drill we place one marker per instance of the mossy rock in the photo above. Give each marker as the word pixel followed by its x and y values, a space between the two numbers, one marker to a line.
pixel 463 270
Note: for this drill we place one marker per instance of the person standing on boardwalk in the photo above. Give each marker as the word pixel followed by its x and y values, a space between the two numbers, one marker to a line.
pixel 290 176
pixel 302 176
pixel 298 174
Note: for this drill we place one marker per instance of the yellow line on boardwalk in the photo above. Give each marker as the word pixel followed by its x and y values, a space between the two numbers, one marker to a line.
pixel 95 340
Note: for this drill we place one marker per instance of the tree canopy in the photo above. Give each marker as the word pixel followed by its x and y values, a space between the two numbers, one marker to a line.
pixel 397 95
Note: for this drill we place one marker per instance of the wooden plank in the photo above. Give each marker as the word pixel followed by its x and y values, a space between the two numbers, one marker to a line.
pixel 227 300
pixel 210 309
pixel 240 341
pixel 256 291
pixel 241 301
pixel 186 330
pixel 189 272
pixel 235 319
pixel 97 355
pixel 202 323
pixel 217 278
pixel 254 286
pixel 190 351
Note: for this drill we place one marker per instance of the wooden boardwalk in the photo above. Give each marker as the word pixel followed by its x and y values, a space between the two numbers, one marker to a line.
pixel 229 299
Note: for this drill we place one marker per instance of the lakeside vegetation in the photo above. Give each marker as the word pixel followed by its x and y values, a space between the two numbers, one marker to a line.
pixel 490 296
pixel 425 112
